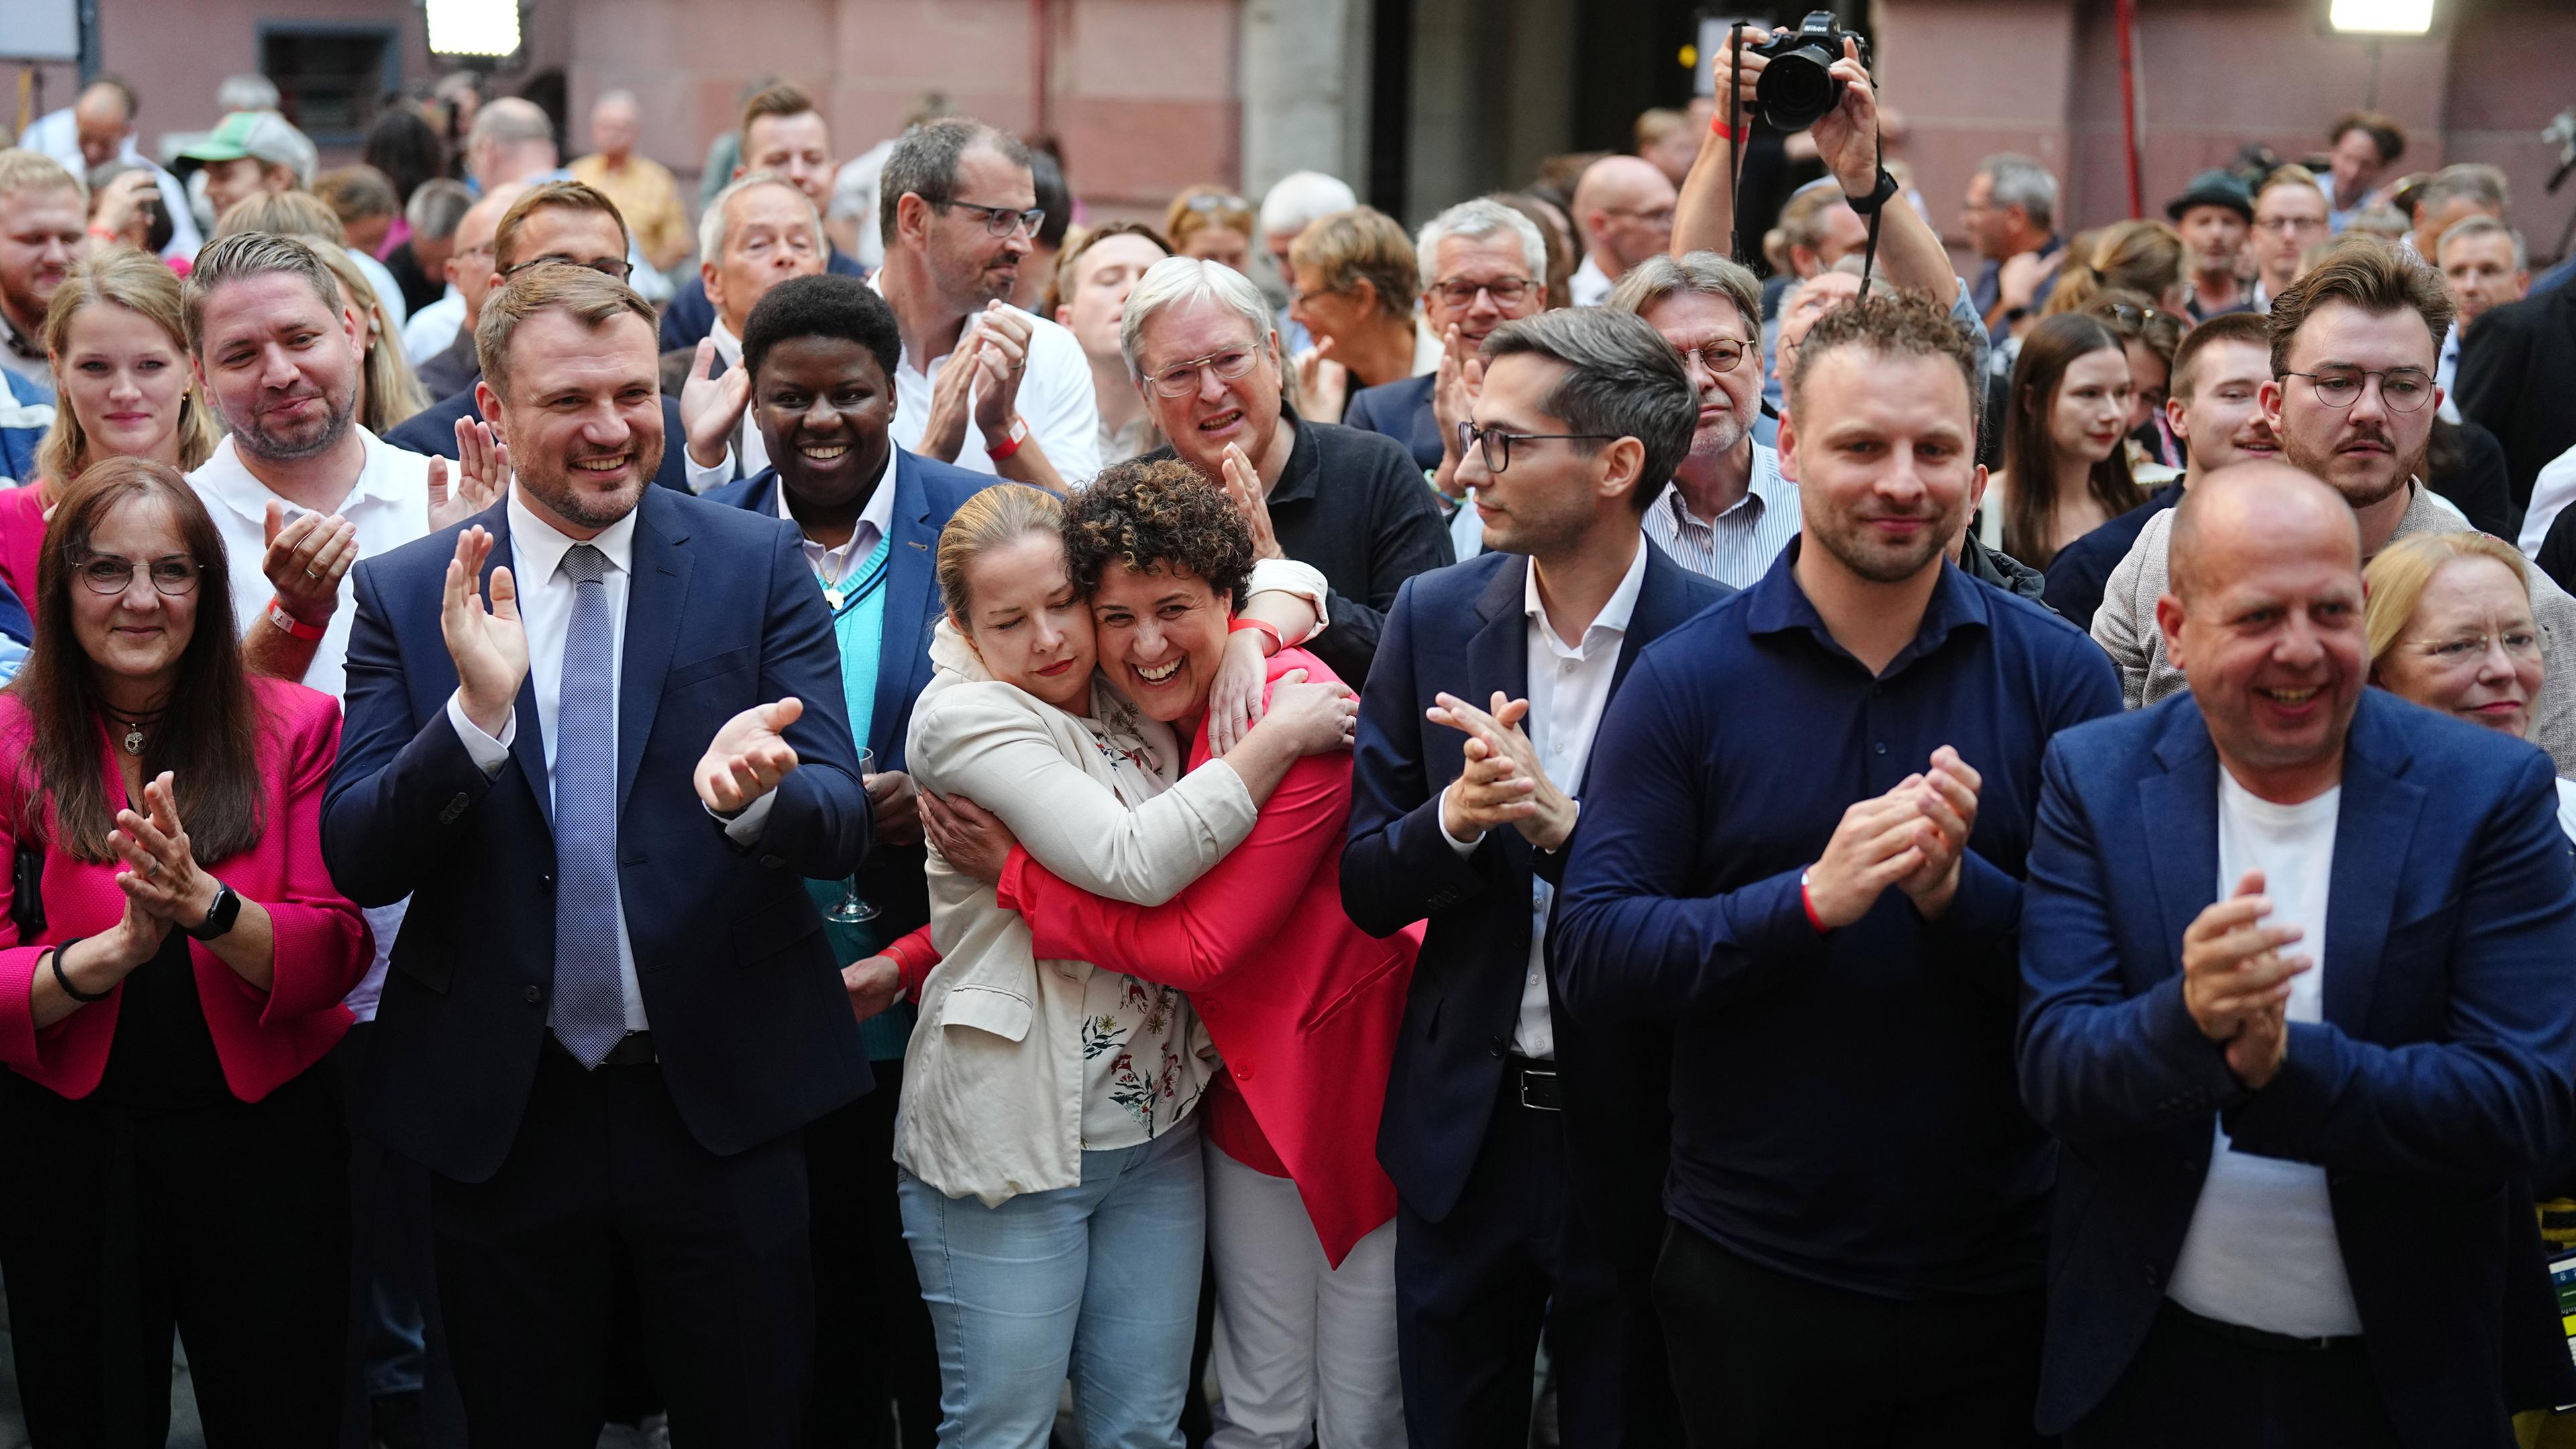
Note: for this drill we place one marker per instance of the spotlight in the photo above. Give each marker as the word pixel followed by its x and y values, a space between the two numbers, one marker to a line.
pixel 2382 17
pixel 472 27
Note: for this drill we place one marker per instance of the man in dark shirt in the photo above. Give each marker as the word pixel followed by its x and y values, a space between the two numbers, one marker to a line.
pixel 2517 372
pixel 2218 375
pixel 1809 858
pixel 1198 337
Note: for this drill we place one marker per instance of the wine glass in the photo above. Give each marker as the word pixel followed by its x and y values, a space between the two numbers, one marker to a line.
pixel 854 907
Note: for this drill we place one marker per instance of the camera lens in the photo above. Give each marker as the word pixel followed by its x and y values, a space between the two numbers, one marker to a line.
pixel 1795 89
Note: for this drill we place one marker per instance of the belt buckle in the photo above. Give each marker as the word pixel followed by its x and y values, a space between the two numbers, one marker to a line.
pixel 1526 1074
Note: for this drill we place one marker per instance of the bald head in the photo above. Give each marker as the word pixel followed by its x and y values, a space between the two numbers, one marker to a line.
pixel 615 124
pixel 470 264
pixel 102 118
pixel 2247 510
pixel 1624 206
pixel 511 141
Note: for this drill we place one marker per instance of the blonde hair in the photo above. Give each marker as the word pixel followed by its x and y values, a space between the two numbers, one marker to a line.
pixel 283 213
pixel 1362 242
pixel 25 170
pixel 1002 514
pixel 2145 257
pixel 394 392
pixel 2396 580
pixel 142 285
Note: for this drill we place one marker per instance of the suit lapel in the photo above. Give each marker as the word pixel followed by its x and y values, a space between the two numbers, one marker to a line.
pixel 1498 653
pixel 2180 807
pixel 2373 825
pixel 655 601
pixel 528 745
pixel 1662 604
pixel 908 589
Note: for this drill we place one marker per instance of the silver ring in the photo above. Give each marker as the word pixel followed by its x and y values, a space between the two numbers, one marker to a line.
pixel 310 574
pixel 152 870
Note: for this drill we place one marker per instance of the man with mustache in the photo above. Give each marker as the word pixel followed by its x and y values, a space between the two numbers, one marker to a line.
pixel 1821 893
pixel 2352 399
pixel 983 385
pixel 2294 959
pixel 2215 406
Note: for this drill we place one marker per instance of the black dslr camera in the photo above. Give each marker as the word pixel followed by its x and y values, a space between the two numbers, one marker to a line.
pixel 1795 90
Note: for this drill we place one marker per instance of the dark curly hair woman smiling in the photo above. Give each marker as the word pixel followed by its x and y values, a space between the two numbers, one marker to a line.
pixel 1159 517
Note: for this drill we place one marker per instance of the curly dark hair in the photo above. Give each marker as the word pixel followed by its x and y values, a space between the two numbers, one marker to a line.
pixel 1158 517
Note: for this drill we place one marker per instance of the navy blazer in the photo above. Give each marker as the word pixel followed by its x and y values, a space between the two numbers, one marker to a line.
pixel 433 431
pixel 1402 411
pixel 1463 629
pixel 750 1022
pixel 927 493
pixel 2439 1079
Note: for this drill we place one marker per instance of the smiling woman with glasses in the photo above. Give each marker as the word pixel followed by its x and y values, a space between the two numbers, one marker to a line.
pixel 171 972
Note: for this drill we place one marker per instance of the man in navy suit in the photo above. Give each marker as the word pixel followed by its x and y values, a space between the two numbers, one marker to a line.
pixel 820 354
pixel 562 221
pixel 1527 1147
pixel 2297 1003
pixel 612 1010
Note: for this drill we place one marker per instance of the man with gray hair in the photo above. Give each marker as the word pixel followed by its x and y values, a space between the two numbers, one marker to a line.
pixel 511 141
pixel 761 231
pixel 1527 1180
pixel 2483 263
pixel 1198 341
pixel 1483 264
pixel 1727 511
pixel 419 265
pixel 2010 216
pixel 2450 196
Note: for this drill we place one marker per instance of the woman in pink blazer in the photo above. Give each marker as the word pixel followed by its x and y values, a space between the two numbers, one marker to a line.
pixel 1303 1005
pixel 170 971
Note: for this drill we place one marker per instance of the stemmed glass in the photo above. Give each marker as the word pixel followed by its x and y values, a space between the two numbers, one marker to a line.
pixel 854 907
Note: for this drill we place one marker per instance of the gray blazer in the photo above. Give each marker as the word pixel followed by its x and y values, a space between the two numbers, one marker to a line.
pixel 2126 628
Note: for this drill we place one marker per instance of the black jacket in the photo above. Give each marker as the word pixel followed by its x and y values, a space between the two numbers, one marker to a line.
pixel 2517 374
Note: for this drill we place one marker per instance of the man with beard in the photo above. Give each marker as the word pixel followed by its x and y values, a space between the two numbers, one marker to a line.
pixel 605 765
pixel 983 385
pixel 2295 958
pixel 2351 399
pixel 2215 407
pixel 42 218
pixel 2212 216
pixel 1821 892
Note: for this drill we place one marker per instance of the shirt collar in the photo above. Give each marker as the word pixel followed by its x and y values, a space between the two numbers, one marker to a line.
pixel 226 478
pixel 1763 488
pixel 728 346
pixel 1615 613
pixel 538 547
pixel 879 512
pixel 1780 606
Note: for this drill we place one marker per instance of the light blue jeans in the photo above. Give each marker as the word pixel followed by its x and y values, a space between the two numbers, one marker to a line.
pixel 1100 1280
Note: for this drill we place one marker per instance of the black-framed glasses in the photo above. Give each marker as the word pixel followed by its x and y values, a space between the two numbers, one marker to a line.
pixel 1506 291
pixel 108 575
pixel 614 268
pixel 1003 220
pixel 1721 356
pixel 2401 389
pixel 1182 378
pixel 1496 445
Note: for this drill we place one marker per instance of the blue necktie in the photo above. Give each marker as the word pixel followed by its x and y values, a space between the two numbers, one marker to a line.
pixel 590 1005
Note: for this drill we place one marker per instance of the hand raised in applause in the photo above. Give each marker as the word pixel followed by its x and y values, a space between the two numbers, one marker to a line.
pixel 2236 980
pixel 1323 385
pixel 748 757
pixel 711 407
pixel 1947 796
pixel 1008 333
pixel 482 473
pixel 952 397
pixel 306 559
pixel 1243 485
pixel 1503 784
pixel 161 874
pixel 487 643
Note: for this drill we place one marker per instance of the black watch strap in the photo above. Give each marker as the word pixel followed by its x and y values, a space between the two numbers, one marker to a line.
pixel 219 916
pixel 1878 195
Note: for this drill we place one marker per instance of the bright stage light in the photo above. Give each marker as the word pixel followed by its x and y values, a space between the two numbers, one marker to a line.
pixel 477 27
pixel 2382 17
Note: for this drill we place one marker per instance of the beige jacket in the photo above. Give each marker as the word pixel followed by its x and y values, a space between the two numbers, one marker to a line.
pixel 2125 626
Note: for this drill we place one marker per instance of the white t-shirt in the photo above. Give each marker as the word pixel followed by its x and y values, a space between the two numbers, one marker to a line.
pixel 2262 1249
pixel 1055 398
pixel 390 506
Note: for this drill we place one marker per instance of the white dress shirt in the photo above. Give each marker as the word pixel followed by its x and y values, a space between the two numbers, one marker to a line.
pixel 545 612
pixel 2550 492
pixel 1055 400
pixel 1737 547
pixel 432 329
pixel 2262 1249
pixel 1589 286
pixel 2446 371
pixel 755 448
pixel 831 565
pixel 1569 687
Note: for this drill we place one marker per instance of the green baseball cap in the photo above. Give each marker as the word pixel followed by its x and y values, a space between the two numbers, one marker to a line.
pixel 261 135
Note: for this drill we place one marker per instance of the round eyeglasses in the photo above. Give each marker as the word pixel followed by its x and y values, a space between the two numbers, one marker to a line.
pixel 107 575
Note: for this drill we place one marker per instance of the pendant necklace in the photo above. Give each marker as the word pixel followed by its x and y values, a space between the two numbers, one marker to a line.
pixel 134 724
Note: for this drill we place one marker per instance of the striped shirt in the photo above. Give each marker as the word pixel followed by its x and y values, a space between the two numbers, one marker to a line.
pixel 1738 547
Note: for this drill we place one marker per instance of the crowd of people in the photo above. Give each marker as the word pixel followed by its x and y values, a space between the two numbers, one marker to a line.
pixel 1638 817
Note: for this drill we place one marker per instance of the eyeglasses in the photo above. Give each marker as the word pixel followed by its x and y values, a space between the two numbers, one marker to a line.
pixel 1719 356
pixel 2402 389
pixel 1213 201
pixel 1497 444
pixel 2518 644
pixel 2131 314
pixel 107 575
pixel 1182 378
pixel 1506 291
pixel 614 268
pixel 1002 220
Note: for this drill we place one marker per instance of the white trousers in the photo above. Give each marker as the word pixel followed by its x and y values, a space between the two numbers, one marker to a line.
pixel 1300 1346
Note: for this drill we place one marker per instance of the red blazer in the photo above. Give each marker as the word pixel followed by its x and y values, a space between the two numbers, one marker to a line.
pixel 263 1038
pixel 1304 1005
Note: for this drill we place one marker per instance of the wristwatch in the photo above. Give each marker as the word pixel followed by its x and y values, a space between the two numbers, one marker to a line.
pixel 219 916
pixel 1878 195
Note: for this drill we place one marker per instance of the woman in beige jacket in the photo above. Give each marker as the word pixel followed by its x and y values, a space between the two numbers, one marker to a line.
pixel 1051 1184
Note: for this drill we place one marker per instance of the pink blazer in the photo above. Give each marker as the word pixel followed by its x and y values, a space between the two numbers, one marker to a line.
pixel 1304 1005
pixel 263 1038
pixel 22 539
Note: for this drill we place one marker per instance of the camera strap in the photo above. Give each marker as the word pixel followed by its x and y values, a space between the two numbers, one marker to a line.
pixel 1741 130
pixel 1869 252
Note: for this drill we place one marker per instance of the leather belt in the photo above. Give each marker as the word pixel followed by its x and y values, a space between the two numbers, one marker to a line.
pixel 2262 1340
pixel 1532 1082
pixel 635 1049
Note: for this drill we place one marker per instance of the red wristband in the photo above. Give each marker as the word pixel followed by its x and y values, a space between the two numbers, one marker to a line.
pixel 278 616
pixel 1807 900
pixel 1277 640
pixel 1011 444
pixel 1717 127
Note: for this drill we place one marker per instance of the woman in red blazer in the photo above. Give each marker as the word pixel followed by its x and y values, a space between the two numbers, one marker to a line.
pixel 1304 1005
pixel 170 972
